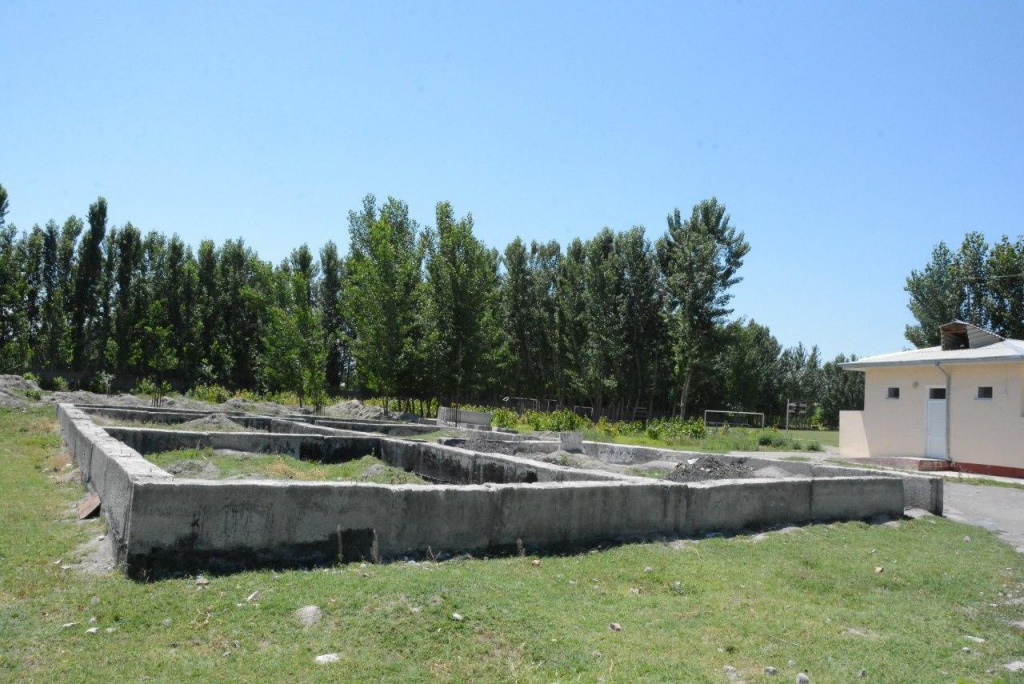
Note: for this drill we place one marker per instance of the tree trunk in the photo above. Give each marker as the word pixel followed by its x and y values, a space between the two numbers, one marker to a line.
pixel 685 396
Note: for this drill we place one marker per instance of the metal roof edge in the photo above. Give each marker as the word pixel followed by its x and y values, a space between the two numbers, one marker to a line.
pixel 863 365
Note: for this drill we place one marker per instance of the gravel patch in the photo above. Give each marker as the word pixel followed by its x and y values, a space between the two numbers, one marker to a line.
pixel 217 422
pixel 706 468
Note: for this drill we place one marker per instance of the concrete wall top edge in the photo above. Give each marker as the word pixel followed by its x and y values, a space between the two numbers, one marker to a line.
pixel 486 487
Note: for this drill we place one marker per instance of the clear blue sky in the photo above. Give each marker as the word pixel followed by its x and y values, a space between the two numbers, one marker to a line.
pixel 846 138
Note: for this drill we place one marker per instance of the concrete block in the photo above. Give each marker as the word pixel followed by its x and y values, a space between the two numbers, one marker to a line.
pixel 571 441
pixel 738 504
pixel 856 498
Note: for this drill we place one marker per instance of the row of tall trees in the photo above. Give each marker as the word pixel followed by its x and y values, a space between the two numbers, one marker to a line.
pixel 978 283
pixel 620 324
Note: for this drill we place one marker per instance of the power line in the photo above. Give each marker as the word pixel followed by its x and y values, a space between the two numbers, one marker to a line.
pixel 994 277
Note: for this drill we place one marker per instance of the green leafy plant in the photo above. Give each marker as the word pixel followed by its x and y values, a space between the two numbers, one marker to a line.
pixel 212 394
pixel 504 418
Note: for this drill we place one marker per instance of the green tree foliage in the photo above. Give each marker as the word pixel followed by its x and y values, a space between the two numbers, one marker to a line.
pixel 336 329
pixel 840 390
pixel 294 355
pixel 14 349
pixel 460 293
pixel 86 322
pixel 699 259
pixel 382 282
pixel 977 283
pixel 611 325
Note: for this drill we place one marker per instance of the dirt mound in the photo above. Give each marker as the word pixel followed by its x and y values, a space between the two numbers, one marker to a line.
pixel 376 470
pixel 216 422
pixel 357 410
pixel 11 401
pixel 771 472
pixel 83 397
pixel 354 410
pixel 15 390
pixel 263 408
pixel 178 401
pixel 197 470
pixel 574 460
pixel 16 383
pixel 710 468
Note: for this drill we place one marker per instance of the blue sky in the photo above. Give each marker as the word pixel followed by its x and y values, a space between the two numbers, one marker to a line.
pixel 845 138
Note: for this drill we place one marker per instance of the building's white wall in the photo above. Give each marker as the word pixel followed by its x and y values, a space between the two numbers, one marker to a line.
pixel 853 441
pixel 896 427
pixel 987 431
pixel 982 431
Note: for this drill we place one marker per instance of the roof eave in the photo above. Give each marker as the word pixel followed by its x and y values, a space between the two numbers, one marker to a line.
pixel 864 365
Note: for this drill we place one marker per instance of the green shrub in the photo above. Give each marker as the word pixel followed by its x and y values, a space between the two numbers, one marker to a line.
pixel 34 394
pixel 557 421
pixel 607 427
pixel 102 382
pixel 30 376
pixel 152 389
pixel 55 384
pixel 813 446
pixel 212 394
pixel 504 418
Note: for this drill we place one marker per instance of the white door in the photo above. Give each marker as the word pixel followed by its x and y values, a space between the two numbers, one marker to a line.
pixel 935 430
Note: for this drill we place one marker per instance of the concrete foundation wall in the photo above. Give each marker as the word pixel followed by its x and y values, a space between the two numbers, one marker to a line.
pixel 440 463
pixel 146 415
pixel 919 491
pixel 108 468
pixel 164 524
pixel 393 429
pixel 469 419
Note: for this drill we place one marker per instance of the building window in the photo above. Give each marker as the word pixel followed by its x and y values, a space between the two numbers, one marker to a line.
pixel 937 393
pixel 984 392
pixel 894 393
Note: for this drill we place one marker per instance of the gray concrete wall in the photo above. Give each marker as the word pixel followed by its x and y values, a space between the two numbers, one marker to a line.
pixel 392 429
pixel 311 447
pixel 473 420
pixel 145 414
pixel 276 523
pixel 108 468
pixel 164 524
pixel 286 523
pixel 920 491
pixel 447 464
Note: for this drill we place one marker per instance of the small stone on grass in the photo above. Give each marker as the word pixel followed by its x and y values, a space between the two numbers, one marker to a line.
pixel 327 658
pixel 615 627
pixel 309 615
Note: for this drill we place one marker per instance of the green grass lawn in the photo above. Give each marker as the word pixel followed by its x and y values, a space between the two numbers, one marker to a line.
pixel 283 467
pixel 812 596
pixel 829 437
pixel 723 441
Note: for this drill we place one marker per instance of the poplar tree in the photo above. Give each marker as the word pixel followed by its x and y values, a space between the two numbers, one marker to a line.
pixel 86 303
pixel 699 259
pixel 382 279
